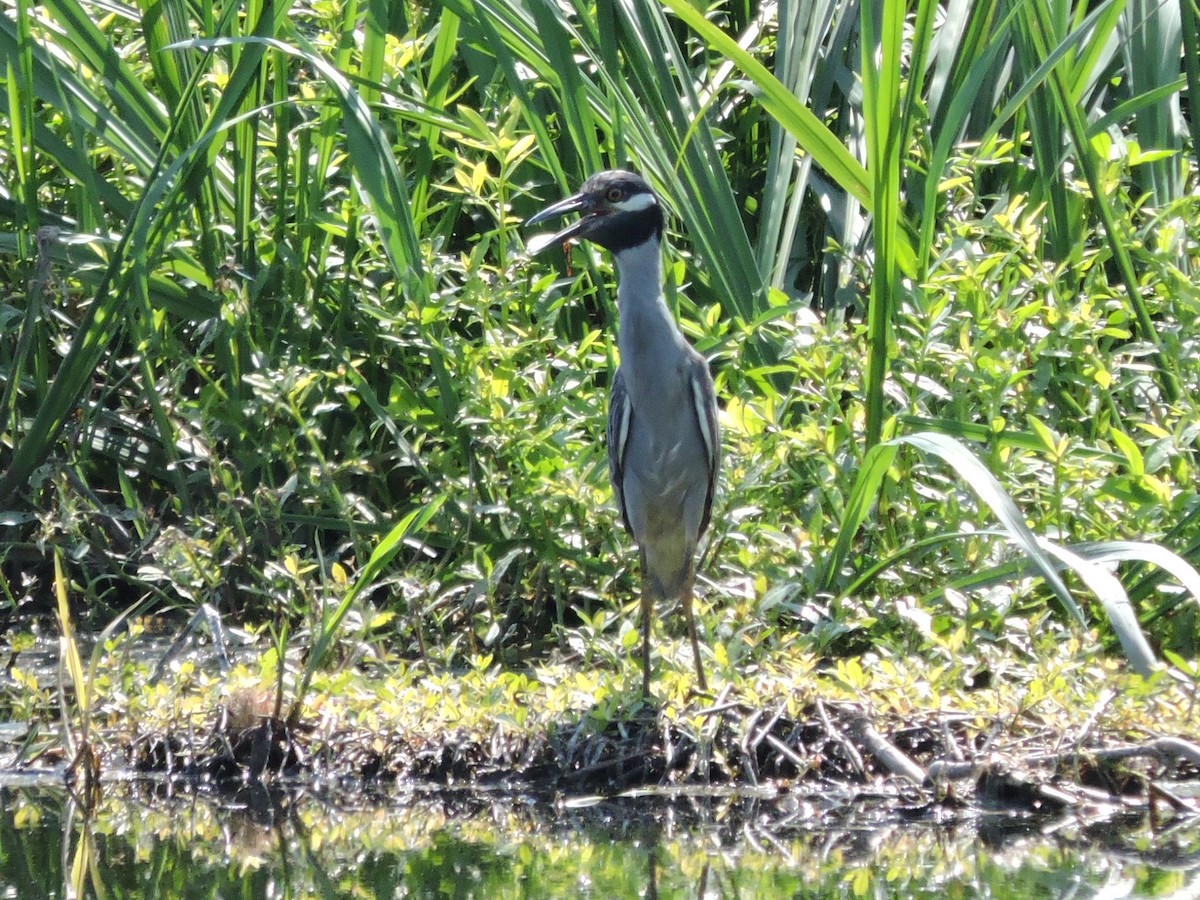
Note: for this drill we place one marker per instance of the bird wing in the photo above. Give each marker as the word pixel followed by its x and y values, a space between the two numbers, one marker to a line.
pixel 620 414
pixel 704 405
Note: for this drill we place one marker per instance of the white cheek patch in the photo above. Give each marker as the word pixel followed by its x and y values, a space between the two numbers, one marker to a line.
pixel 636 203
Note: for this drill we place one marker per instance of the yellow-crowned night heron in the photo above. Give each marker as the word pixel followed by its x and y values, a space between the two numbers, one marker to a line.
pixel 663 442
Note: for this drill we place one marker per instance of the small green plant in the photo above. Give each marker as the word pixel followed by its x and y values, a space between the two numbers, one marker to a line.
pixel 392 544
pixel 267 288
pixel 83 770
pixel 1046 557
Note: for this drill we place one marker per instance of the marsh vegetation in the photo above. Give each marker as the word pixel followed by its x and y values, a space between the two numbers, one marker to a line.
pixel 275 363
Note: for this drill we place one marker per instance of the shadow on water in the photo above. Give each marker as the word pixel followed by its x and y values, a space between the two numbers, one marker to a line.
pixel 162 839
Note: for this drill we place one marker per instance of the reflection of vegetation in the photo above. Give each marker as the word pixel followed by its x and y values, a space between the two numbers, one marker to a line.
pixel 461 845
pixel 269 301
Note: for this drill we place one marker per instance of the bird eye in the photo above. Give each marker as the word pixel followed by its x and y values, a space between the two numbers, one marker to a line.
pixel 614 195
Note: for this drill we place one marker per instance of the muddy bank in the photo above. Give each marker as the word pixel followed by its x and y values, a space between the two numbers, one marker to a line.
pixel 930 766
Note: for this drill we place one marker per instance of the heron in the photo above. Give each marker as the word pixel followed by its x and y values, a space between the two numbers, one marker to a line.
pixel 663 436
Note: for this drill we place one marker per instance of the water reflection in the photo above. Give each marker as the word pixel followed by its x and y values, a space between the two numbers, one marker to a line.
pixel 150 839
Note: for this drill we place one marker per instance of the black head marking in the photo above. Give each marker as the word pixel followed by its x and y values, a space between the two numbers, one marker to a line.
pixel 618 210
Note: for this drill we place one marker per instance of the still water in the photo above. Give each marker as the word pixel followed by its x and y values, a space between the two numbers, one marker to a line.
pixel 152 840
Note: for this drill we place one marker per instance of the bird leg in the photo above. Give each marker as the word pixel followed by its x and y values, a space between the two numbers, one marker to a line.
pixel 647 609
pixel 688 584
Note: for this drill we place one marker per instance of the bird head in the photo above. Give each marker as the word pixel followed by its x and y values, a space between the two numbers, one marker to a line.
pixel 618 210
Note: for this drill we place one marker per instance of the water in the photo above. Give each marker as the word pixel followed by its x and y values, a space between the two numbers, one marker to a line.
pixel 150 839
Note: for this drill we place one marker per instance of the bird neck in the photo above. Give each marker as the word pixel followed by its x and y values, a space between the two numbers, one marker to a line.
pixel 647 326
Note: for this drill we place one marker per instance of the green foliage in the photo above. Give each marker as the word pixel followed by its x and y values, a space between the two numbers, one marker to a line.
pixel 268 300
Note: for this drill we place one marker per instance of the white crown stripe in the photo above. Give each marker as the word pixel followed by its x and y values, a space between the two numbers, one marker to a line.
pixel 636 203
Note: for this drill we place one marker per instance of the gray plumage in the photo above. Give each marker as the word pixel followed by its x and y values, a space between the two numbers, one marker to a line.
pixel 663 437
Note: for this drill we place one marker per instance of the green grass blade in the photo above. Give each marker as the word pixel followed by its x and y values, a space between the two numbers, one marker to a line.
pixel 371 68
pixel 956 89
pixel 1114 234
pixel 882 46
pixel 1152 40
pixel 128 97
pixel 867 485
pixel 985 486
pixel 125 279
pixel 21 108
pixel 1009 437
pixel 1115 602
pixel 437 93
pixel 689 160
pixel 804 26
pixel 809 131
pixel 1128 110
pixel 1189 13
pixel 576 98
pixel 61 88
pixel 1046 134
pixel 1144 552
pixel 386 550
pixel 862 580
pixel 373 160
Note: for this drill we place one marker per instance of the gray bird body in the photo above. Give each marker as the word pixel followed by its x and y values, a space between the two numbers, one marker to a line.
pixel 663 439
pixel 662 426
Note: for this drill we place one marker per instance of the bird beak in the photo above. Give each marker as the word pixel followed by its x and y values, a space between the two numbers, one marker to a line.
pixel 578 228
